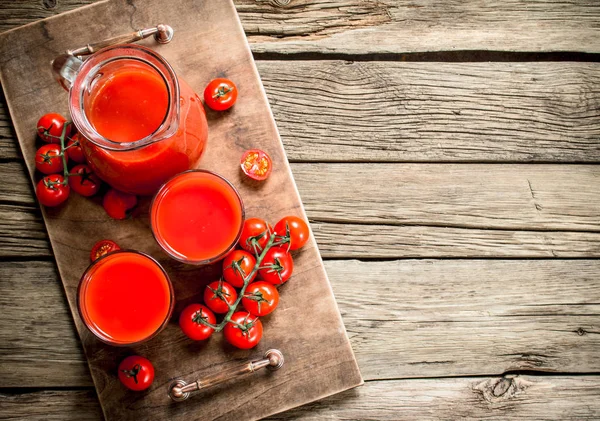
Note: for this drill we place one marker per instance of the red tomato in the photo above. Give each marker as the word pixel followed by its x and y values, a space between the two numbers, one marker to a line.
pixel 190 324
pixel 50 127
pixel 220 94
pixel 83 180
pixel 294 230
pixel 218 294
pixel 256 164
pixel 74 151
pixel 116 203
pixel 136 373
pixel 51 190
pixel 245 332
pixel 260 298
pixel 102 248
pixel 255 235
pixel 48 159
pixel 277 266
pixel 244 261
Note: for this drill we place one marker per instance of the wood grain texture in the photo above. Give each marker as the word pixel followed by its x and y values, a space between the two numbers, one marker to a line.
pixel 405 319
pixel 413 210
pixel 388 26
pixel 491 398
pixel 29 89
pixel 23 235
pixel 548 197
pixel 426 112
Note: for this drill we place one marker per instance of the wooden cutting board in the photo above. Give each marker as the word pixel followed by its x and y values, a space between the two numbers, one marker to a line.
pixel 307 327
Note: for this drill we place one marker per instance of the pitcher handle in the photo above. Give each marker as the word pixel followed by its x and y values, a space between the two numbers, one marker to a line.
pixel 66 66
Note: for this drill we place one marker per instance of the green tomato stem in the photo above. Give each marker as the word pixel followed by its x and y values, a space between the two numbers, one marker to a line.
pixel 259 258
pixel 62 153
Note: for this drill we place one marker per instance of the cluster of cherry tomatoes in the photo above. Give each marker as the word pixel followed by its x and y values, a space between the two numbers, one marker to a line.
pixel 251 276
pixel 65 168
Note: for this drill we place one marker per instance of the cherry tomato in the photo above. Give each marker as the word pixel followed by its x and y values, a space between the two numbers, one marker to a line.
pixel 277 266
pixel 51 191
pixel 246 333
pixel 136 373
pixel 116 203
pixel 74 151
pixel 50 127
pixel 218 294
pixel 255 235
pixel 260 298
pixel 190 324
pixel 85 182
pixel 220 94
pixel 48 159
pixel 102 248
pixel 245 263
pixel 256 164
pixel 294 230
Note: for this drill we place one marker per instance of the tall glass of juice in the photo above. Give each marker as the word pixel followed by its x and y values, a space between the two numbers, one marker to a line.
pixel 125 298
pixel 197 217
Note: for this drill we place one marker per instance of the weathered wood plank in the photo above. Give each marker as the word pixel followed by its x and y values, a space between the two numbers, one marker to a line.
pixel 493 398
pixel 511 397
pixel 511 197
pixel 548 197
pixel 467 112
pixel 387 26
pixel 23 234
pixel 37 333
pixel 465 317
pixel 412 318
pixel 405 210
pixel 80 405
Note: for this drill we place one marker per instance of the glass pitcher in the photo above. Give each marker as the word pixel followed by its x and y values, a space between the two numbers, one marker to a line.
pixel 138 123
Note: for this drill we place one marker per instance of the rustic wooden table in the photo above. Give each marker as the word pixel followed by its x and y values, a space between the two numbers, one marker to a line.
pixel 447 155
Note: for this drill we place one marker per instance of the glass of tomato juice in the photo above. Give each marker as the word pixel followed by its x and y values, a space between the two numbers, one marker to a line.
pixel 125 298
pixel 197 217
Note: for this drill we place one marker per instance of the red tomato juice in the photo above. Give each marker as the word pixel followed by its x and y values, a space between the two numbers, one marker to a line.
pixel 127 105
pixel 130 105
pixel 125 298
pixel 197 217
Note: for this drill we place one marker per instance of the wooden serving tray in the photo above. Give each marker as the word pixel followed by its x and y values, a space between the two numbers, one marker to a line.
pixel 307 327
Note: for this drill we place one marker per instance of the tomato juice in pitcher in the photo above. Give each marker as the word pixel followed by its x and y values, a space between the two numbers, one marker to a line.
pixel 139 123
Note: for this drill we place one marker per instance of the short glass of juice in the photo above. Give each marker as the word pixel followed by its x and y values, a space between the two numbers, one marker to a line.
pixel 197 217
pixel 125 298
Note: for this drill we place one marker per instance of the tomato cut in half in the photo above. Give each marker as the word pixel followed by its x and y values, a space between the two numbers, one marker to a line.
pixel 256 164
pixel 102 248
